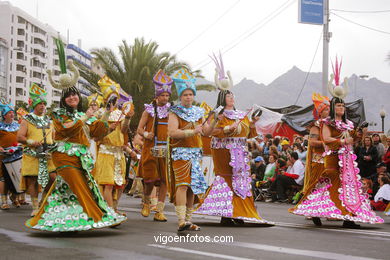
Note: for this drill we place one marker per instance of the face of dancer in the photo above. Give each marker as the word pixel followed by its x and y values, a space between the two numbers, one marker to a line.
pixel 94 106
pixel 187 98
pixel 72 100
pixel 9 117
pixel 229 101
pixel 163 99
pixel 40 109
pixel 325 112
pixel 271 159
pixel 339 109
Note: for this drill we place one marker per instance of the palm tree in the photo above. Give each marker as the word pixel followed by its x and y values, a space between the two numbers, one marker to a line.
pixel 134 70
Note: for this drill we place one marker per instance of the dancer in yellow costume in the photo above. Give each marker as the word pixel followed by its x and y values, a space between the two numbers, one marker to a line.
pixel 111 163
pixel 153 126
pixel 35 134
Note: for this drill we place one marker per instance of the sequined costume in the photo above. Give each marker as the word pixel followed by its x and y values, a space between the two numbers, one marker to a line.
pixel 111 162
pixel 186 154
pixel 74 201
pixel 33 163
pixel 338 194
pixel 230 194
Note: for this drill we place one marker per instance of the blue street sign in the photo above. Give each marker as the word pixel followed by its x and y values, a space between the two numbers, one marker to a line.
pixel 311 11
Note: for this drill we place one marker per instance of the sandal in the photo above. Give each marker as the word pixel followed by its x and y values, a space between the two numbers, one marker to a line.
pixel 23 202
pixel 5 206
pixel 193 227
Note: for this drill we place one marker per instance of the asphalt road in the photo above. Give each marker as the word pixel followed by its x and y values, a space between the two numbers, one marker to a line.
pixel 292 237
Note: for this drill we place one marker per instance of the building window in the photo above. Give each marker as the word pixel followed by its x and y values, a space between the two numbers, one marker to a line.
pixel 10 66
pixel 12 30
pixel 10 78
pixel 12 42
pixel 19 79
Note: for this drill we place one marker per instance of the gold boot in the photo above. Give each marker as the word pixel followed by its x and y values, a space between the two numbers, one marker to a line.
pixel 159 216
pixel 35 206
pixel 181 215
pixel 4 202
pixel 153 204
pixel 146 207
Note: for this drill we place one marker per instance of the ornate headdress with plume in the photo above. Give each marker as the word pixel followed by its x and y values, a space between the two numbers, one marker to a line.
pixel 65 80
pixel 337 90
pixel 320 103
pixel 95 98
pixel 222 81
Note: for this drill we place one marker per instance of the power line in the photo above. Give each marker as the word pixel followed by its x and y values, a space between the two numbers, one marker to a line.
pixel 364 26
pixel 250 31
pixel 308 73
pixel 209 27
pixel 360 12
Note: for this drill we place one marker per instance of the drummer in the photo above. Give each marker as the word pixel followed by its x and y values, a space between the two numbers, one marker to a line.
pixel 35 134
pixel 8 131
pixel 153 126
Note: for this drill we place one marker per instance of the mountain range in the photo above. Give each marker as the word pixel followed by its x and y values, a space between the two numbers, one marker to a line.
pixel 290 88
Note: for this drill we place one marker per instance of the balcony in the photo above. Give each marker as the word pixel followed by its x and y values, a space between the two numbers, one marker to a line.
pixel 20 44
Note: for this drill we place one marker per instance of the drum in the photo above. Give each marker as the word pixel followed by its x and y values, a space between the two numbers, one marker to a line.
pixel 159 151
pixel 14 171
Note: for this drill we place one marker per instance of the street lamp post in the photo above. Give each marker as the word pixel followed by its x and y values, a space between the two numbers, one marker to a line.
pixel 382 113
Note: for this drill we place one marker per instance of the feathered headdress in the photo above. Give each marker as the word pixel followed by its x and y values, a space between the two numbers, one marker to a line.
pixel 222 81
pixel 320 103
pixel 337 90
pixel 65 80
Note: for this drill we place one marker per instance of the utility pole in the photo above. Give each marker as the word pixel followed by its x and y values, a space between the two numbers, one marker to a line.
pixel 325 53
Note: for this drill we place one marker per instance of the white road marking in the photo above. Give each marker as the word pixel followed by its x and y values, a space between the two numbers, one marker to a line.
pixel 293 251
pixel 196 252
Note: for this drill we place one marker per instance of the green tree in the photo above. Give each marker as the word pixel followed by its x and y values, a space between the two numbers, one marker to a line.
pixel 134 69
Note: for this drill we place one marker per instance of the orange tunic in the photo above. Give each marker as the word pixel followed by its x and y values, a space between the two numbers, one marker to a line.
pixel 186 153
pixel 7 139
pixel 154 168
pixel 74 193
pixel 221 198
pixel 314 166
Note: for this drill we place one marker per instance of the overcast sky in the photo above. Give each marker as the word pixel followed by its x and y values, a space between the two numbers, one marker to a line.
pixel 210 26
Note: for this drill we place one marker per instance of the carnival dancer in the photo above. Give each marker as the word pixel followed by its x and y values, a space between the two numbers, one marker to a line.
pixel 337 194
pixel 153 126
pixel 95 102
pixel 185 125
pixel 73 202
pixel 315 161
pixel 230 195
pixel 35 134
pixel 8 144
pixel 111 163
